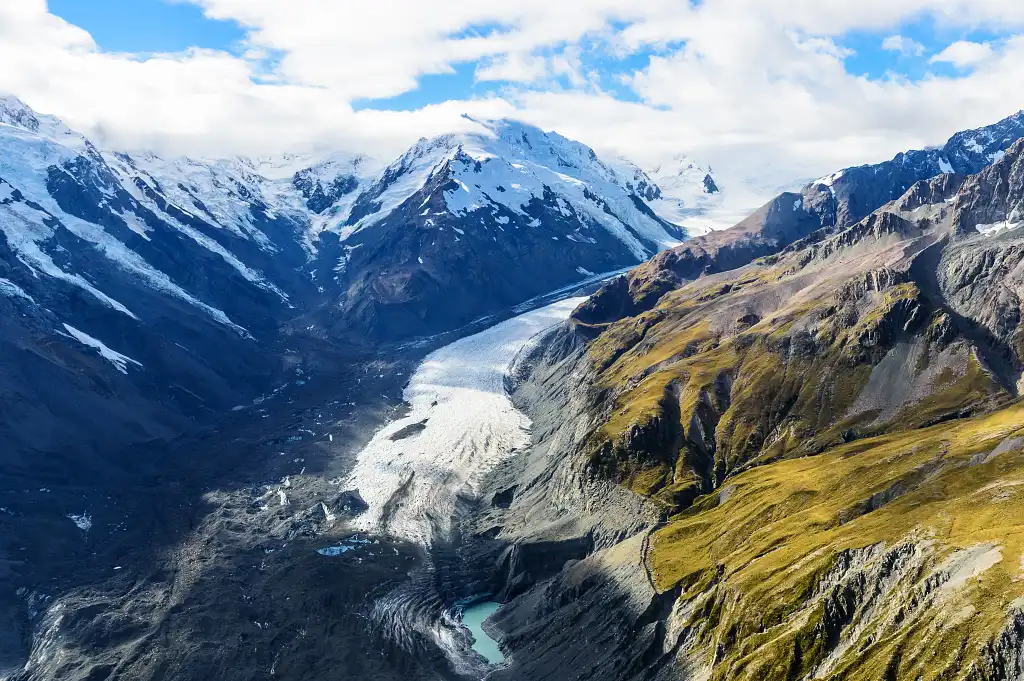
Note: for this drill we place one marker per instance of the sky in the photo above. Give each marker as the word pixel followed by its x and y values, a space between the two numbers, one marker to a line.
pixel 765 92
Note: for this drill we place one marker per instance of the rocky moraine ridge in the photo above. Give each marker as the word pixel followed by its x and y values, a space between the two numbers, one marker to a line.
pixel 788 450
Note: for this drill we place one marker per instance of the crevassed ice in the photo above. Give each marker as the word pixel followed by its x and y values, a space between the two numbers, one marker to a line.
pixel 412 484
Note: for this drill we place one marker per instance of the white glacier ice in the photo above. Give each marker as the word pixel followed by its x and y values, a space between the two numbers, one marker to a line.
pixel 412 484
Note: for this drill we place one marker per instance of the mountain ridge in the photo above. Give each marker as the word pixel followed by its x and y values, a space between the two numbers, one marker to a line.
pixel 825 445
pixel 837 200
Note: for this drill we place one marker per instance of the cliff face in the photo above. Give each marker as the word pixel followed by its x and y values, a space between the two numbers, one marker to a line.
pixel 807 467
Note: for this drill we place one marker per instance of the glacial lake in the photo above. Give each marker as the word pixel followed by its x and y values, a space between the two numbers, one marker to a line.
pixel 473 618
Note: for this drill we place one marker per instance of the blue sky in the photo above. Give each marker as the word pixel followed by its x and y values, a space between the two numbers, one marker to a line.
pixel 148 25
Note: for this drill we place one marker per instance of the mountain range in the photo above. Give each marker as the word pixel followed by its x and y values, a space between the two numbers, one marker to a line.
pixel 789 449
pixel 173 282
pixel 835 201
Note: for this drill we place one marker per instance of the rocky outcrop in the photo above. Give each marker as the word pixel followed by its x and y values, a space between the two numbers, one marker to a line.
pixel 994 198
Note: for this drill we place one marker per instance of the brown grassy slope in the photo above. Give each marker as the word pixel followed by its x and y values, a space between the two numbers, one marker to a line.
pixel 894 557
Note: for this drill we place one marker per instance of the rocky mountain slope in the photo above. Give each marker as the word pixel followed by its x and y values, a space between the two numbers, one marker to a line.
pixel 805 467
pixel 121 307
pixel 837 201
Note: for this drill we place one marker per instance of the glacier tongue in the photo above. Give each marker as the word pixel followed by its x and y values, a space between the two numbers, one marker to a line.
pixel 462 423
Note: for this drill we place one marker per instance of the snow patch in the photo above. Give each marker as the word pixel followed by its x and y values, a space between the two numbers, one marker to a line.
pixel 135 223
pixel 82 522
pixel 972 145
pixel 945 167
pixel 996 227
pixel 120 361
pixel 12 290
pixel 348 545
pixel 830 180
pixel 24 229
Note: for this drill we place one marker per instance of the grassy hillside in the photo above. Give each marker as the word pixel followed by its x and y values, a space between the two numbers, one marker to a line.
pixel 835 440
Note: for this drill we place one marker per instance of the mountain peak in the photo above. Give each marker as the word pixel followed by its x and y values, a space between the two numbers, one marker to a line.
pixel 15 112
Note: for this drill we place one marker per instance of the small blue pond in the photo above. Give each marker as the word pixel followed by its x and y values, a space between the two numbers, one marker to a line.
pixel 473 617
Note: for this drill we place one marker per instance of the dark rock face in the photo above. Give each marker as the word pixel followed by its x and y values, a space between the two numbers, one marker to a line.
pixel 319 197
pixel 935 190
pixel 859 191
pixel 422 274
pixel 995 195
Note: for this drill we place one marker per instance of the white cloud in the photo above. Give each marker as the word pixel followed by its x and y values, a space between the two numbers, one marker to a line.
pixel 963 54
pixel 513 68
pixel 908 47
pixel 757 89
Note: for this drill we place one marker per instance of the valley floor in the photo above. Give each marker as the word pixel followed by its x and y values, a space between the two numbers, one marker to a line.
pixel 230 554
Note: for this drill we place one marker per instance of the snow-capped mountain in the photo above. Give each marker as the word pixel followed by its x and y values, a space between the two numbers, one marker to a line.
pixel 507 166
pixel 689 194
pixel 692 196
pixel 460 224
pixel 141 272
